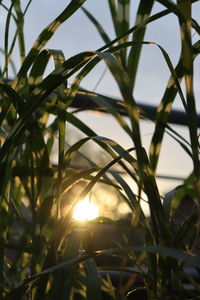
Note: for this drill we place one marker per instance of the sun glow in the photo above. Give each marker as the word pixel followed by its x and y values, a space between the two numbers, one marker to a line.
pixel 85 210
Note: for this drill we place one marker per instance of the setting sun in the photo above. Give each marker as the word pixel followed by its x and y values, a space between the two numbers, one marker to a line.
pixel 85 210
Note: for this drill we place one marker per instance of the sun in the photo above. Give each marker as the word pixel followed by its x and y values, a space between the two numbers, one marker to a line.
pixel 85 210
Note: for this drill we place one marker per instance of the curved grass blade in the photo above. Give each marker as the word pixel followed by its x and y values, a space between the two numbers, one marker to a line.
pixel 179 139
pixel 173 7
pixel 123 82
pixel 96 178
pixel 164 110
pixel 173 86
pixel 45 36
pixel 57 77
pixel 114 145
pixel 89 132
pixel 20 107
pixel 145 173
pixel 13 97
pixel 185 236
pixel 98 26
pixel 196 26
pixel 174 75
pixel 9 53
pixel 172 199
pixel 74 177
pixel 133 202
pixel 118 107
pixel 161 250
pixel 135 28
pixel 118 149
pixel 114 106
pixel 38 68
pixel 108 106
pixel 39 94
pixel 21 289
pixel 76 82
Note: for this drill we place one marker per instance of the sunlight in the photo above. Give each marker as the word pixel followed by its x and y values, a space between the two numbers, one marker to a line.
pixel 85 210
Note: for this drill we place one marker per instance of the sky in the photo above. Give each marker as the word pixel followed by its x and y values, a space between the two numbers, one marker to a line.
pixel 78 34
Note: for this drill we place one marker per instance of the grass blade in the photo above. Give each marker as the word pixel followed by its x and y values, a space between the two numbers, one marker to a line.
pixel 187 60
pixel 144 10
pixel 98 26
pixel 92 280
pixel 45 36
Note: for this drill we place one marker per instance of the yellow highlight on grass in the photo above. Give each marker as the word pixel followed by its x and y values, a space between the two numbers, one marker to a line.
pixel 85 210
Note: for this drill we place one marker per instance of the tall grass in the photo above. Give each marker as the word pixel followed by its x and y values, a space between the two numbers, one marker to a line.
pixel 43 253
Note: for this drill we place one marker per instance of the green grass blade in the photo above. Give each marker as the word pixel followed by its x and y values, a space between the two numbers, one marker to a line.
pixel 123 16
pixel 133 202
pixel 45 36
pixel 164 110
pixel 10 61
pixel 92 280
pixel 59 58
pixel 145 173
pixel 174 75
pixel 98 26
pixel 110 107
pixel 144 10
pixel 5 171
pixel 118 149
pixel 38 68
pixel 76 177
pixel 114 145
pixel 10 51
pixel 135 28
pixel 195 26
pixel 22 288
pixel 187 61
pixel 6 39
pixel 161 250
pixel 124 85
pixel 160 222
pixel 40 93
pixel 89 132
pixel 96 178
pixel 63 280
pixel 20 29
pixel 182 144
pixel 13 97
pixel 113 11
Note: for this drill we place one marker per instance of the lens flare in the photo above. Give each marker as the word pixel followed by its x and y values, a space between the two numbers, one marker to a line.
pixel 85 210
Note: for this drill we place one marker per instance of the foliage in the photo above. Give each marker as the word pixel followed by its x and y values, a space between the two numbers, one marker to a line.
pixel 44 254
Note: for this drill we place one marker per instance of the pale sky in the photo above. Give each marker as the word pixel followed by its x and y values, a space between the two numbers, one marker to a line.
pixel 78 35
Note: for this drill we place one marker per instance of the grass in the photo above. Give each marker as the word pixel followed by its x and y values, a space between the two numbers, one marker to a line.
pixel 45 254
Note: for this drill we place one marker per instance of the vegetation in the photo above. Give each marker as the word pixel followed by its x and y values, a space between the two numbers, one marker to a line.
pixel 44 254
